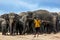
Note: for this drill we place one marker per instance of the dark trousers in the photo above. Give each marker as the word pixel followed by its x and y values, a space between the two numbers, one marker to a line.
pixel 37 30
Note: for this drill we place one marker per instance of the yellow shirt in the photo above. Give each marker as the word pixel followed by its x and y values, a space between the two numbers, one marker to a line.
pixel 37 23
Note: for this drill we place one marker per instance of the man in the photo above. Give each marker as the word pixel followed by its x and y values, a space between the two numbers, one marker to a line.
pixel 37 24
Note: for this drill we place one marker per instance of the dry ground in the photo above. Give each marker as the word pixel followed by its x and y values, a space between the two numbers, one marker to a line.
pixel 31 37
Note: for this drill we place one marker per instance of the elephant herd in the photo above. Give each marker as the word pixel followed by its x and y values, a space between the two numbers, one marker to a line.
pixel 11 23
pixel 20 24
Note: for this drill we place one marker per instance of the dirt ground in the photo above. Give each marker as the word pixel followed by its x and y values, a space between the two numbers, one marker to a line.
pixel 31 37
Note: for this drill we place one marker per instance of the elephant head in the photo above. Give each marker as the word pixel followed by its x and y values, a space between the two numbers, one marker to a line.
pixel 11 18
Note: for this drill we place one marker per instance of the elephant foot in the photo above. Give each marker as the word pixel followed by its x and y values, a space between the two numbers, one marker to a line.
pixel 3 34
pixel 16 33
pixel 7 34
pixel 12 34
pixel 22 33
pixel 54 32
pixel 26 33
pixel 41 33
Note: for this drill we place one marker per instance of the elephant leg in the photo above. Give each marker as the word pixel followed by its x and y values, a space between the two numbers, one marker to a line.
pixel 17 30
pixel 54 29
pixel 45 29
pixel 11 28
pixel 11 31
pixel 24 29
pixel 4 30
pixel 42 28
pixel 31 29
pixel 7 30
pixel 32 26
pixel 50 29
pixel 14 29
pixel 57 28
pixel 20 29
pixel 0 28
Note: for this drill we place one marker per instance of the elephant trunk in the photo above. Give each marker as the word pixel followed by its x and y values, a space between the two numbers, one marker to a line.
pixel 54 24
pixel 11 21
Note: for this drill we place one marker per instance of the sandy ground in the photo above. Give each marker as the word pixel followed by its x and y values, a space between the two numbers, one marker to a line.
pixel 31 37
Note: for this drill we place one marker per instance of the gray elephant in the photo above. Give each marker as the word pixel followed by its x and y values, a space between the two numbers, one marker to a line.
pixel 54 24
pixel 12 24
pixel 58 23
pixel 5 19
pixel 27 22
pixel 19 27
pixel 3 26
pixel 0 27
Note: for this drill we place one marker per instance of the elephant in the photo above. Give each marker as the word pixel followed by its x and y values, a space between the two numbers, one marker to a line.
pixel 58 23
pixel 15 24
pixel 28 22
pixel 0 27
pixel 4 22
pixel 12 23
pixel 23 20
pixel 3 26
pixel 19 26
pixel 12 20
pixel 54 24
pixel 6 18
